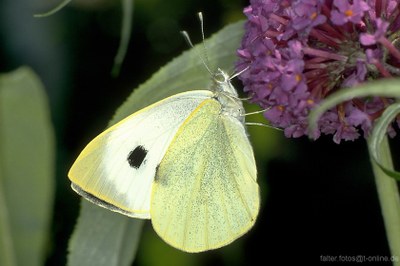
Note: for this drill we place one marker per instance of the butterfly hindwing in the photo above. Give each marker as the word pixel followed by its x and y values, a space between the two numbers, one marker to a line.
pixel 205 193
pixel 116 169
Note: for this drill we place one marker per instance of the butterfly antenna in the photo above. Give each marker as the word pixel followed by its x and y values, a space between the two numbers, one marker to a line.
pixel 234 75
pixel 203 57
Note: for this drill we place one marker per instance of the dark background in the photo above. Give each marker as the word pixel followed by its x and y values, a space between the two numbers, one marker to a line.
pixel 318 198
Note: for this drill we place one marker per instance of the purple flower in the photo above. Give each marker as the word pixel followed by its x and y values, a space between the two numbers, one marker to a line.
pixel 348 12
pixel 381 30
pixel 300 51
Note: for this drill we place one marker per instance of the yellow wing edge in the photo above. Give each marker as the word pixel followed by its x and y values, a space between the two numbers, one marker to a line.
pixel 141 214
pixel 216 246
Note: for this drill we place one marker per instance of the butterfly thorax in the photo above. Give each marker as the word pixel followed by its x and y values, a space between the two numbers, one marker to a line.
pixel 227 95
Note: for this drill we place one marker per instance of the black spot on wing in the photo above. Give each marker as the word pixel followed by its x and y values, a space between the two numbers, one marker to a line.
pixel 136 157
pixel 156 179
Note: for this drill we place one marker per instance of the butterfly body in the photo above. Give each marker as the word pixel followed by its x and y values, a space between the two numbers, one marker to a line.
pixel 185 163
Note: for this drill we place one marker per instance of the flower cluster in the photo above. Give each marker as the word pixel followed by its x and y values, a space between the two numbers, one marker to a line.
pixel 300 51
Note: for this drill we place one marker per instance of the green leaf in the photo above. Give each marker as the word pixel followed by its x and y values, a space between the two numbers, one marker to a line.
pixel 379 135
pixel 54 10
pixel 384 88
pixel 102 237
pixel 100 231
pixel 127 9
pixel 26 169
pixel 388 193
pixel 187 71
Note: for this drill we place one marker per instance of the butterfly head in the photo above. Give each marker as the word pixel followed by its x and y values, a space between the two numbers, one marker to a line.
pixel 227 95
pixel 222 83
pixel 224 91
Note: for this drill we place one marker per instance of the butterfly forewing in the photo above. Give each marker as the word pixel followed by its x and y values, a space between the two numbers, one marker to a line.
pixel 116 170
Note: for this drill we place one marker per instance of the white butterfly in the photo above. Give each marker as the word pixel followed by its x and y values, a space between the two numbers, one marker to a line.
pixel 184 162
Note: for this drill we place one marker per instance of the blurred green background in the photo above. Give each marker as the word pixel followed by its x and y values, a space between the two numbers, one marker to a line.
pixel 318 198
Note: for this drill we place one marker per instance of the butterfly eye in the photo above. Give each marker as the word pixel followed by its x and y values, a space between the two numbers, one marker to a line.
pixel 137 156
pixel 219 78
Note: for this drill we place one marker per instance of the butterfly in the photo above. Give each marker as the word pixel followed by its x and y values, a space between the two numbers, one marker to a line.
pixel 184 162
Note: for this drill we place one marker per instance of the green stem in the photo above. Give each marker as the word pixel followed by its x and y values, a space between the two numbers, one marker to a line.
pixel 389 199
pixel 7 257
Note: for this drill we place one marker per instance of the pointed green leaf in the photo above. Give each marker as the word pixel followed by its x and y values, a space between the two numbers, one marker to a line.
pixel 379 134
pixel 388 193
pixel 117 234
pixel 384 88
pixel 54 10
pixel 127 15
pixel 103 238
pixel 26 169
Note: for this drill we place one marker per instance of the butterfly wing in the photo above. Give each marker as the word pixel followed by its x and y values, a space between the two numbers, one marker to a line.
pixel 205 193
pixel 116 169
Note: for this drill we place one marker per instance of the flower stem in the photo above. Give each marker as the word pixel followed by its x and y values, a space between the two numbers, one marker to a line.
pixel 388 194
